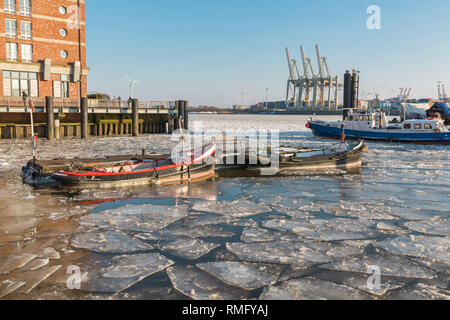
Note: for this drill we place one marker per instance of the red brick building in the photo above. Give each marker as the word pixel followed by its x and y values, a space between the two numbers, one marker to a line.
pixel 43 48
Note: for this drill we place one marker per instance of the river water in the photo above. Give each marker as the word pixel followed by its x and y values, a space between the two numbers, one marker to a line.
pixel 382 233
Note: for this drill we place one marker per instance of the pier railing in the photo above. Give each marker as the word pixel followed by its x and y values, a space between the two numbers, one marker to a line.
pixel 17 104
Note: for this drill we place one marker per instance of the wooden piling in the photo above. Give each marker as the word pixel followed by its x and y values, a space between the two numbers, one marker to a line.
pixel 135 110
pixel 50 118
pixel 84 119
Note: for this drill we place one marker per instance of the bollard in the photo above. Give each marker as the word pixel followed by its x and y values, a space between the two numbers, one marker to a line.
pixel 50 117
pixel 84 119
pixel 135 120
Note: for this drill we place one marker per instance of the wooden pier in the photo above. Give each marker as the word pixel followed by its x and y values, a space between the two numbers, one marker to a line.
pixel 61 118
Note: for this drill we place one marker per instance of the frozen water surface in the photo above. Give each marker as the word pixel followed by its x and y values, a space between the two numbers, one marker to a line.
pixel 249 276
pixel 397 207
pixel 124 272
pixel 199 285
pixel 310 288
pixel 108 242
pixel 187 248
pixel 389 266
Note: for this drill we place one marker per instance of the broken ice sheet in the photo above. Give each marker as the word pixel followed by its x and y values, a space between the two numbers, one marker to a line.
pixel 428 247
pixel 35 264
pixel 249 276
pixel 9 286
pixel 420 291
pixel 12 262
pixel 360 281
pixel 394 266
pixel 187 248
pixel 238 208
pixel 256 234
pixel 310 288
pixel 124 272
pixel 438 227
pixel 193 221
pixel 301 254
pixel 34 278
pixel 199 285
pixel 181 231
pixel 108 242
pixel 324 230
pixel 140 218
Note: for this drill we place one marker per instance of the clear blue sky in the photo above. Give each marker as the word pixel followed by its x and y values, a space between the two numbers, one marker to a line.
pixel 202 50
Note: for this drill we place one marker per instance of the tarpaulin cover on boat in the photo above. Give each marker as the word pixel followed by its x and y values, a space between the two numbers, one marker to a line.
pixel 443 106
pixel 415 110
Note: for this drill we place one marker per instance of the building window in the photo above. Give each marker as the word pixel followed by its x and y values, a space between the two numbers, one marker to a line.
pixel 65 86
pixel 10 6
pixel 11 28
pixel 63 32
pixel 27 53
pixel 62 10
pixel 11 51
pixel 25 7
pixel 25 30
pixel 15 83
pixel 64 54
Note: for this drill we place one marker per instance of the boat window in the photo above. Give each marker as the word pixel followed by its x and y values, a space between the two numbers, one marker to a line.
pixel 356 118
pixel 350 118
pixel 407 126
pixel 427 126
pixel 369 118
pixel 417 126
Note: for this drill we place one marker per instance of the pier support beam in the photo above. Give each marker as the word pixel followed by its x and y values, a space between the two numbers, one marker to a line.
pixel 135 120
pixel 50 117
pixel 84 119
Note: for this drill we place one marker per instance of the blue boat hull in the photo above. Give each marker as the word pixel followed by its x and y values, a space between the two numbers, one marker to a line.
pixel 322 130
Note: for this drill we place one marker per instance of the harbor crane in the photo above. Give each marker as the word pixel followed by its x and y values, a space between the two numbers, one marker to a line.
pixel 321 84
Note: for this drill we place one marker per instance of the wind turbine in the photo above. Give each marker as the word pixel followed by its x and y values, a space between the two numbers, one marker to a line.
pixel 132 82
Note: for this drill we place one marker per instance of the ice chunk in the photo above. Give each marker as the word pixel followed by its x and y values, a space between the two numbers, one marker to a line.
pixel 108 242
pixel 390 227
pixel 143 218
pixel 34 278
pixel 249 276
pixel 124 272
pixel 49 253
pixel 438 227
pixel 35 264
pixel 420 291
pixel 310 288
pixel 199 285
pixel 187 248
pixel 197 232
pixel 9 286
pixel 360 281
pixel 238 208
pixel 301 254
pixel 264 235
pixel 427 247
pixel 12 262
pixel 389 266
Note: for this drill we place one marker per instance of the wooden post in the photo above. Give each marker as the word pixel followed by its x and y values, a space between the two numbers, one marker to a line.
pixel 135 105
pixel 50 117
pixel 84 119
pixel 186 114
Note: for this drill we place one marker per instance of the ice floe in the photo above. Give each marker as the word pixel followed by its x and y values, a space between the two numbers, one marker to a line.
pixel 187 248
pixel 249 276
pixel 238 208
pixel 438 227
pixel 420 291
pixel 142 218
pixel 310 288
pixel 427 247
pixel 181 231
pixel 199 285
pixel 301 254
pixel 256 234
pixel 389 265
pixel 124 272
pixel 34 278
pixel 35 264
pixel 108 242
pixel 9 286
pixel 12 262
